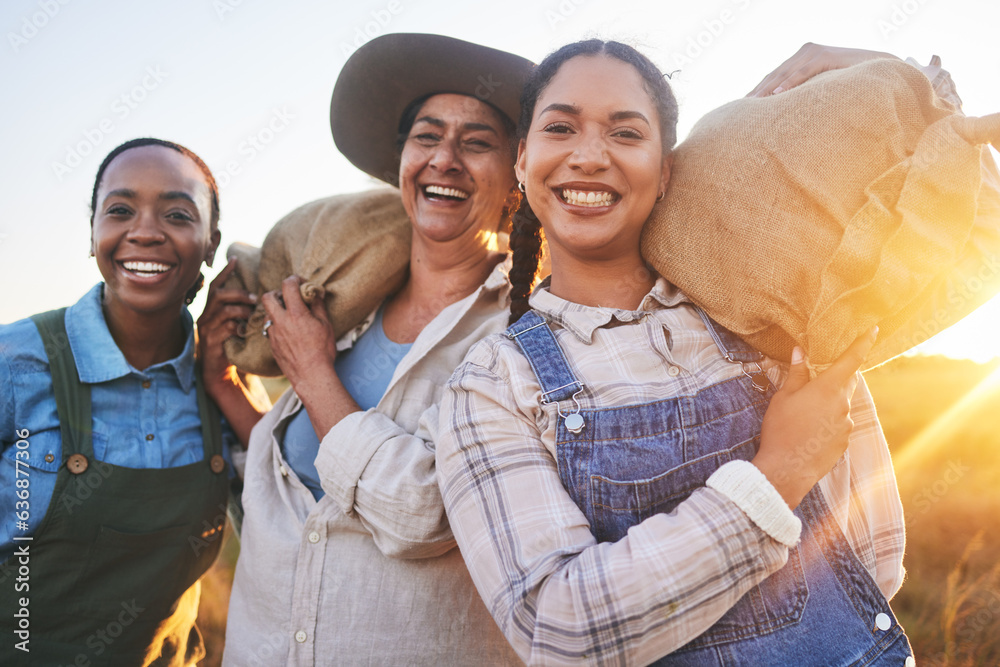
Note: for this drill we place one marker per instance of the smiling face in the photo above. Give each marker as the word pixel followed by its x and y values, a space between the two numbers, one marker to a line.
pixel 592 160
pixel 455 170
pixel 151 230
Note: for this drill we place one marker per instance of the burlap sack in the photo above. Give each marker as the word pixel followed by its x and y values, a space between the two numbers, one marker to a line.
pixel 852 200
pixel 351 250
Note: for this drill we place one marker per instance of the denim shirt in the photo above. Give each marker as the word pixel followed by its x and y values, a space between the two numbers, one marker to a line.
pixel 141 419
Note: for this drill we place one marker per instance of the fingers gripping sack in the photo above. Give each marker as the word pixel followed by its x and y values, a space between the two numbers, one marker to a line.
pixel 352 251
pixel 858 198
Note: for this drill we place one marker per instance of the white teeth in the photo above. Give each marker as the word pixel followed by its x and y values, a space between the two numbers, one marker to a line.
pixel 587 198
pixel 446 192
pixel 146 268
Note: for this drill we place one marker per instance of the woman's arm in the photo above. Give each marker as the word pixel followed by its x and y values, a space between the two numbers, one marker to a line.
pixel 375 469
pixel 224 309
pixel 367 463
pixel 810 60
pixel 305 348
pixel 557 594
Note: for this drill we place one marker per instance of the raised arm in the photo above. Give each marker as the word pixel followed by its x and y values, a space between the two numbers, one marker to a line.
pixel 367 463
pixel 224 384
pixel 810 60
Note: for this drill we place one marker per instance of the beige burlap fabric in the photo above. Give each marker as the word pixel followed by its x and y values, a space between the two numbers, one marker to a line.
pixel 852 200
pixel 351 250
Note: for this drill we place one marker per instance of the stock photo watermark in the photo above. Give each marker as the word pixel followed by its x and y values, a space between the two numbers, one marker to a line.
pixel 22 550
pixel 562 12
pixel 899 15
pixel 379 23
pixel 254 144
pixel 712 29
pixel 120 109
pixel 32 24
pixel 223 7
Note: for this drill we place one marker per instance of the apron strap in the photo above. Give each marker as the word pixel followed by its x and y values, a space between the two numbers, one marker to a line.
pixel 211 420
pixel 72 396
pixel 533 336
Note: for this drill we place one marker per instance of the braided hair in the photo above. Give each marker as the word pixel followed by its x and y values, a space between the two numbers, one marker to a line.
pixel 209 180
pixel 526 236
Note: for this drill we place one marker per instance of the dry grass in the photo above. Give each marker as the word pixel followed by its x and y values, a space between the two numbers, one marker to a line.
pixel 950 602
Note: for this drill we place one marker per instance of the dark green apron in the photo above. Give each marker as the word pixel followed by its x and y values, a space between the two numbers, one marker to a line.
pixel 114 563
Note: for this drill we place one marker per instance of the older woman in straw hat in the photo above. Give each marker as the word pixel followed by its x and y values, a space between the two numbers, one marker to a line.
pixel 347 556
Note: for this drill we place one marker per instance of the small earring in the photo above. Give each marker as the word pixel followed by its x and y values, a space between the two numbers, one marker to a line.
pixel 659 197
pixel 91 253
pixel 520 186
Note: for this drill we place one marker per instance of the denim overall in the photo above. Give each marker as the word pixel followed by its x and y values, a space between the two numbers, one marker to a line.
pixel 623 464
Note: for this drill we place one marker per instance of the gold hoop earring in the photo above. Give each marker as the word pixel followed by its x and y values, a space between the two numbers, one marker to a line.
pixel 660 196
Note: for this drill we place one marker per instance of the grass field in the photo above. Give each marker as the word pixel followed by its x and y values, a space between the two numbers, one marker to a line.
pixel 942 420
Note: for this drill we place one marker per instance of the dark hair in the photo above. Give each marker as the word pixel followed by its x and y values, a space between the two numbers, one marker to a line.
pixel 209 179
pixel 526 236
pixel 149 141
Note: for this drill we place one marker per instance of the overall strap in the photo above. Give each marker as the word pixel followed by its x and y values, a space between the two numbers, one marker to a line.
pixel 533 336
pixel 211 420
pixel 72 396
pixel 732 346
pixel 736 351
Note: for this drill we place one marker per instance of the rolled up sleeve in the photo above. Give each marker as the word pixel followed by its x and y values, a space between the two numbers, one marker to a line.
pixel 374 468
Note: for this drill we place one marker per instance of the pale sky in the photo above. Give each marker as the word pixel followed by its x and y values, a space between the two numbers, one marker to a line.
pixel 246 84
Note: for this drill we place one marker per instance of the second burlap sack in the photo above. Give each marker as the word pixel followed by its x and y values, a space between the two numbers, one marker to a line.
pixel 855 199
pixel 351 250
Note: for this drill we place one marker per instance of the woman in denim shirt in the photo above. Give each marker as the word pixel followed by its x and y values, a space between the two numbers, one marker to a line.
pixel 112 455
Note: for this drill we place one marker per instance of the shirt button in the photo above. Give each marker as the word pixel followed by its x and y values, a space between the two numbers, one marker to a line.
pixel 146 384
pixel 49 458
pixel 300 636
pixel 673 371
pixel 284 471
pixel 314 537
pixel 77 463
pixel 149 436
pixel 883 622
pixel 910 662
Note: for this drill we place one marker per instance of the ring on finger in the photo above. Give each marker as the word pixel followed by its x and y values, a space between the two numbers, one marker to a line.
pixel 263 330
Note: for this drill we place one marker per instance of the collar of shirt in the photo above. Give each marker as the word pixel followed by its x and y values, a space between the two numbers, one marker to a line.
pixel 582 320
pixel 496 282
pixel 98 358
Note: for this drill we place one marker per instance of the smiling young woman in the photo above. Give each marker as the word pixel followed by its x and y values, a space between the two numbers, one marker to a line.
pixel 153 226
pixel 624 480
pixel 592 169
pixel 124 453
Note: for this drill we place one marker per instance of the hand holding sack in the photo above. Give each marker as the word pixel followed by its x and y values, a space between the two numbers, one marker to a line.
pixel 350 250
pixel 856 199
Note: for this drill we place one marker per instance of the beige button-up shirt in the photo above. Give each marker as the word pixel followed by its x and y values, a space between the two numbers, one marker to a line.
pixel 369 574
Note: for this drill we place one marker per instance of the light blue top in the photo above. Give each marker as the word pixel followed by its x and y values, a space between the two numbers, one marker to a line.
pixel 141 419
pixel 365 371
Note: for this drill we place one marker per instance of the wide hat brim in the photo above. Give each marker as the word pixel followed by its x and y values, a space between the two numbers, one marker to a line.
pixel 389 72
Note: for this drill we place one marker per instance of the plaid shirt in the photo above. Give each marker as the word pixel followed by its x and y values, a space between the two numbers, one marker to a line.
pixel 557 594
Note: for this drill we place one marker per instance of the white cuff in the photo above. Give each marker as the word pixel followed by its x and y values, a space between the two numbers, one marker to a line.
pixel 744 484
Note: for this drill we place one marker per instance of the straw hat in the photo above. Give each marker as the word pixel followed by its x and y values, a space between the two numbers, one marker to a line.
pixel 386 74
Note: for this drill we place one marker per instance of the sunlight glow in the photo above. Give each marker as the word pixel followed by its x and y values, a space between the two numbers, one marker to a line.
pixel 937 434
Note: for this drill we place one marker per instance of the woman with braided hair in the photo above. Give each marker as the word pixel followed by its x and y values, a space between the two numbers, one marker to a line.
pixel 622 475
